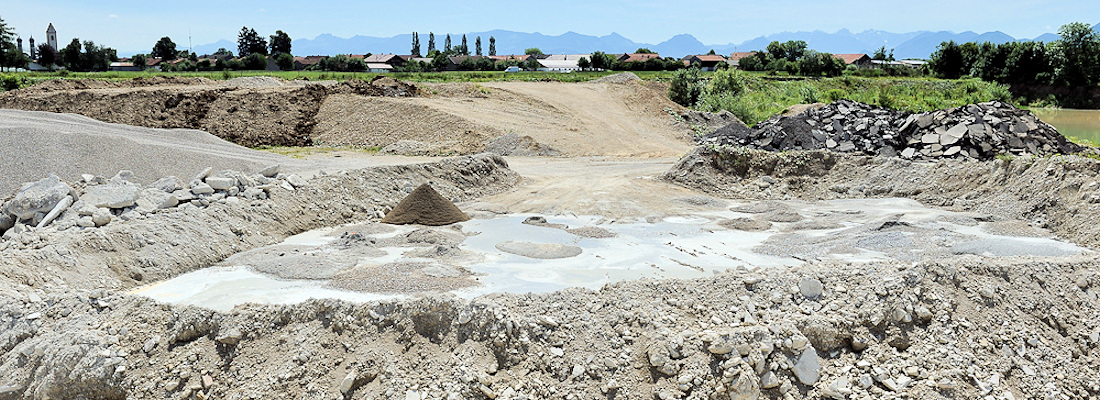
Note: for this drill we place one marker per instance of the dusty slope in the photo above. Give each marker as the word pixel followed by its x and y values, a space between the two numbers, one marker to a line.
pixel 581 119
pixel 34 144
pixel 627 119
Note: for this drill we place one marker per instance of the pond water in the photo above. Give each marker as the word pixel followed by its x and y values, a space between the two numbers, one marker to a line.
pixel 1081 125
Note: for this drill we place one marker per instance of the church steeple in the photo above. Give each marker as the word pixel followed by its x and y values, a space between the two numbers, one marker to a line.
pixel 51 36
pixel 34 50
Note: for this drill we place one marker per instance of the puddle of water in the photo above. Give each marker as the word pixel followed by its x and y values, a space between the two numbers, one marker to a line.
pixel 222 288
pixel 675 247
pixel 1077 124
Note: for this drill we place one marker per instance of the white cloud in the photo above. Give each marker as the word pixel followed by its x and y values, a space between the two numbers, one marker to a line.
pixel 112 16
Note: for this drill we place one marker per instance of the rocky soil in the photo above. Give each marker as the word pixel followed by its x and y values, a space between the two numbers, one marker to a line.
pixel 978 131
pixel 1059 193
pixel 253 111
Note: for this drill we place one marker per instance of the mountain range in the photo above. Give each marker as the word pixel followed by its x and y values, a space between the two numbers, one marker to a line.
pixel 919 45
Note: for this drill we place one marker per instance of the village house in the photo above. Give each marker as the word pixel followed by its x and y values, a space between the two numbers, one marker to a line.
pixel 384 62
pixel 519 58
pixel 301 63
pixel 706 62
pixel 856 60
pixel 735 58
pixel 637 57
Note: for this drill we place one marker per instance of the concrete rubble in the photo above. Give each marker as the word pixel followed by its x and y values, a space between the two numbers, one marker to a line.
pixel 96 201
pixel 977 131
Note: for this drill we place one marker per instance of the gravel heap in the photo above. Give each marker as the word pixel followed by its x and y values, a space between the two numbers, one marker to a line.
pixel 425 206
pixel 979 131
pixel 96 201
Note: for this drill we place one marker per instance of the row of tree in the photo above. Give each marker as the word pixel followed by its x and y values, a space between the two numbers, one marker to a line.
pixel 448 49
pixel 1073 60
pixel 795 58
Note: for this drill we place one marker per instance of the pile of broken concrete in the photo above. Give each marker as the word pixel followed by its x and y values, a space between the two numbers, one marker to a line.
pixel 978 131
pixel 96 201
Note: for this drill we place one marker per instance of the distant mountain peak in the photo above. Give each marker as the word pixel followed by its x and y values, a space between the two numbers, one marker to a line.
pixel 919 44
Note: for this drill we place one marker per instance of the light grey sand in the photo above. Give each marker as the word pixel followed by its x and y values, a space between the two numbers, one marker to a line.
pixel 539 250
pixel 34 144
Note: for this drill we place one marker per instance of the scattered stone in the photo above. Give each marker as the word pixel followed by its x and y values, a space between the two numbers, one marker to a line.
pixel 808 368
pixel 218 183
pixel 270 172
pixel 810 288
pixel 38 197
pixel 57 210
pixel 976 131
pixel 201 189
pixel 112 195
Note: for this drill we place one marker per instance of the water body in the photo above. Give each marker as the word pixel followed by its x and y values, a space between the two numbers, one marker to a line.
pixel 1081 125
pixel 690 246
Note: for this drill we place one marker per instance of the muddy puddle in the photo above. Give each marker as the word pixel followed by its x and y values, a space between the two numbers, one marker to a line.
pixel 521 253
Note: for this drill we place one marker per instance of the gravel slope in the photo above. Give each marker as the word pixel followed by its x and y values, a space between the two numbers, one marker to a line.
pixel 40 143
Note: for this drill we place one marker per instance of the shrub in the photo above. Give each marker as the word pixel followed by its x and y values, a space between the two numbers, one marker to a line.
pixel 685 87
pixel 9 82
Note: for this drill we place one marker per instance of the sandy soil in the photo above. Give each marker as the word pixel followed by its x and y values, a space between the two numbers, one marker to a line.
pixel 968 326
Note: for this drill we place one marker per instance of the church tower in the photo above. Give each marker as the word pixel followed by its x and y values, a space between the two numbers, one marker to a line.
pixel 51 37
pixel 34 51
pixel 20 44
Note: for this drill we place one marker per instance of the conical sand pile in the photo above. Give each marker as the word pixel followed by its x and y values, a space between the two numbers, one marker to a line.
pixel 425 206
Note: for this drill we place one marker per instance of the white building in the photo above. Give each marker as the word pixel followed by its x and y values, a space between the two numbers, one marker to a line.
pixel 562 62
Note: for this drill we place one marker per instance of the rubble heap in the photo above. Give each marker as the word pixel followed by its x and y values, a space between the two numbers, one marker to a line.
pixel 96 201
pixel 979 131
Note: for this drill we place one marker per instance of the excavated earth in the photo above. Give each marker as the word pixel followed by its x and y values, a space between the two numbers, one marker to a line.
pixel 635 118
pixel 962 326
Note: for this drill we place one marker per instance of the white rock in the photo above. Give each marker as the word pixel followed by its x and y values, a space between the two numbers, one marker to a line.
pixel 348 382
pixel 112 195
pixel 557 351
pixel 40 196
pixel 865 381
pixel 201 189
pixel 57 209
pixel 218 183
pixel 769 380
pixel 811 288
pixel 296 180
pixel 270 171
pixel 167 184
pixel 808 367
pixel 101 217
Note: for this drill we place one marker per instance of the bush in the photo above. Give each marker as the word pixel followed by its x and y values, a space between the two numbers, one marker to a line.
pixel 9 82
pixel 685 87
pixel 728 81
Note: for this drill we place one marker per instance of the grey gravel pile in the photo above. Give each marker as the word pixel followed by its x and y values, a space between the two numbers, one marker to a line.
pixel 979 131
pixel 97 201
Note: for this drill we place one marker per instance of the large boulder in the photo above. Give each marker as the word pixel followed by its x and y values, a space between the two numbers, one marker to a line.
pixel 38 197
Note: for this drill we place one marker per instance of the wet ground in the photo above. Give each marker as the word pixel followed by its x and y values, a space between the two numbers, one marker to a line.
pixel 521 253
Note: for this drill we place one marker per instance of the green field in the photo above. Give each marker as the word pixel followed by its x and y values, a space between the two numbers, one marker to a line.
pixel 30 78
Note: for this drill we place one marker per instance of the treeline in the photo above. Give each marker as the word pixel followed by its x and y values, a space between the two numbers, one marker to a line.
pixel 253 52
pixel 794 58
pixel 1071 64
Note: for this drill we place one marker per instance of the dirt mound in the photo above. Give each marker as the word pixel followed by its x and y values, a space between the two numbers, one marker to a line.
pixel 425 206
pixel 980 131
pixel 54 85
pixel 1002 189
pixel 352 120
pixel 515 145
pixel 620 78
pixel 250 111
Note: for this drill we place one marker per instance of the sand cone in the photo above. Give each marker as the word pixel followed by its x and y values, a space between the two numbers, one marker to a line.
pixel 425 206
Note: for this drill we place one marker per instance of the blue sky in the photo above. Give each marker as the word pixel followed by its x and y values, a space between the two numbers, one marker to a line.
pixel 136 25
